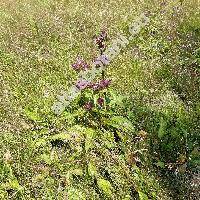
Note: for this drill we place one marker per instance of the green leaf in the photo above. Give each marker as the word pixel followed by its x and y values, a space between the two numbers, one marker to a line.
pixel 78 172
pixel 69 117
pixel 40 142
pixel 14 184
pixel 89 141
pixel 80 113
pixel 60 136
pixel 46 158
pixel 116 99
pixel 77 128
pixel 75 194
pixel 32 115
pixel 92 170
pixel 109 139
pixel 120 122
pixel 105 186
pixel 160 164
pixel 142 196
pixel 127 197
pixel 162 129
pixel 77 132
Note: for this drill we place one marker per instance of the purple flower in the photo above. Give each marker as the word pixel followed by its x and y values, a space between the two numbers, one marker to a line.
pixel 101 61
pixel 104 59
pixel 96 86
pixel 75 67
pixel 82 84
pixel 104 34
pixel 105 83
pixel 99 40
pixel 100 101
pixel 100 85
pixel 88 105
pixel 80 65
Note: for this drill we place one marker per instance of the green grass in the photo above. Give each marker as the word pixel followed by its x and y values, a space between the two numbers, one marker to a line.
pixel 158 72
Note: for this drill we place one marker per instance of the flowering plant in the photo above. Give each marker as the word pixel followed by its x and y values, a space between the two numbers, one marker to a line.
pixel 91 129
pixel 96 99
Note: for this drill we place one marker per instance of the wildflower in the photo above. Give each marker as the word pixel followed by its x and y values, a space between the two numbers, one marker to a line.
pixel 80 65
pixel 101 61
pixel 82 84
pixel 99 40
pixel 105 83
pixel 96 86
pixel 101 85
pixel 100 43
pixel 104 35
pixel 100 101
pixel 88 106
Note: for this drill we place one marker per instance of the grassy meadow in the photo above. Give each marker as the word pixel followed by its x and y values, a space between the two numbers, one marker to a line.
pixel 143 145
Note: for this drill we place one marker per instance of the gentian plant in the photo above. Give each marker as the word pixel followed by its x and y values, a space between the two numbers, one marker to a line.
pixel 97 102
pixel 98 118
pixel 94 137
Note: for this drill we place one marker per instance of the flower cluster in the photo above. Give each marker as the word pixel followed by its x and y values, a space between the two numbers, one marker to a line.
pixel 100 101
pixel 102 84
pixel 85 84
pixel 100 40
pixel 88 106
pixel 80 64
